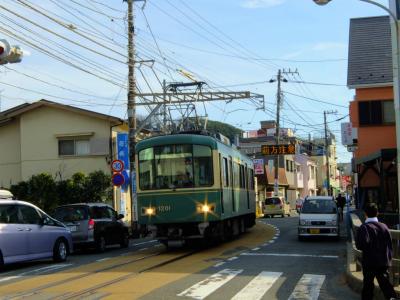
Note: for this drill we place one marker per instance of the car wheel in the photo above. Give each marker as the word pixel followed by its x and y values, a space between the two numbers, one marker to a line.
pixel 101 244
pixel 283 215
pixel 60 250
pixel 125 240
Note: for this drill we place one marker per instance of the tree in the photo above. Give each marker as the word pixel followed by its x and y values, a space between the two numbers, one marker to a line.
pixel 225 129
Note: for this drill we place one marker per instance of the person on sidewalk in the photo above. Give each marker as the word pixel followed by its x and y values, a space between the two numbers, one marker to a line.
pixel 374 240
pixel 341 202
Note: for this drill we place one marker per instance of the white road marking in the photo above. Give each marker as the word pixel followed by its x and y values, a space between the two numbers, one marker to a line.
pixel 209 285
pixel 255 249
pixel 275 237
pixel 271 241
pixel 256 288
pixel 36 271
pixel 233 258
pixel 143 243
pixel 103 259
pixel 143 249
pixel 288 255
pixel 308 287
pixel 219 264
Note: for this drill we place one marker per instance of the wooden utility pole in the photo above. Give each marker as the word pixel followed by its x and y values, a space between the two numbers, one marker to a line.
pixel 328 182
pixel 327 153
pixel 278 109
pixel 132 111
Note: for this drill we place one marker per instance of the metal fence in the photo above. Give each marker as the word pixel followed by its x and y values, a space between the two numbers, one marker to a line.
pixel 357 254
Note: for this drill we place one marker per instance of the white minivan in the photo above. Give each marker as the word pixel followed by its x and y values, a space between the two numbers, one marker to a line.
pixel 319 217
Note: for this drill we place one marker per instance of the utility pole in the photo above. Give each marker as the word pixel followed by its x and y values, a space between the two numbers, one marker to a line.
pixel 277 127
pixel 327 153
pixel 328 182
pixel 278 109
pixel 132 111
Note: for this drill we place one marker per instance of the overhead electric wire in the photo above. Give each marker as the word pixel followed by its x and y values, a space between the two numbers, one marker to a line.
pixel 70 29
pixel 96 11
pixel 317 83
pixel 107 6
pixel 75 55
pixel 55 96
pixel 58 86
pixel 316 100
pixel 41 49
pixel 63 37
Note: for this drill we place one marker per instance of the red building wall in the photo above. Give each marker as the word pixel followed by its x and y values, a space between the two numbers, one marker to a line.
pixel 372 138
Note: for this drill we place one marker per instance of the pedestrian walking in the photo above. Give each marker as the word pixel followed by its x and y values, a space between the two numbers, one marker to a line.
pixel 341 202
pixel 374 240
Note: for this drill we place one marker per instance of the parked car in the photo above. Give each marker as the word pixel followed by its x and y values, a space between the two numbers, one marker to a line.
pixel 319 217
pixel 93 225
pixel 276 206
pixel 28 233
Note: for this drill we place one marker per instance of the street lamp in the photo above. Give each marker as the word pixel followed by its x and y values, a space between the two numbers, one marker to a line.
pixel 396 76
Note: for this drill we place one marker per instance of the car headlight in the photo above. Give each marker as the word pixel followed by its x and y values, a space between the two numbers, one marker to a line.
pixel 333 222
pixel 303 222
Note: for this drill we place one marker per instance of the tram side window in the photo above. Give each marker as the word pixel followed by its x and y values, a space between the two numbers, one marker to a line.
pixel 203 170
pixel 242 177
pixel 146 178
pixel 251 179
pixel 236 177
pixel 226 172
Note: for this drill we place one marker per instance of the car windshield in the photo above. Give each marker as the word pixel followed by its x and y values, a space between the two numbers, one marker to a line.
pixel 270 201
pixel 71 213
pixel 319 206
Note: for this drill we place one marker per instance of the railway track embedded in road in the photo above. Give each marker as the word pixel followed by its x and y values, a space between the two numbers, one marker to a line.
pixel 88 291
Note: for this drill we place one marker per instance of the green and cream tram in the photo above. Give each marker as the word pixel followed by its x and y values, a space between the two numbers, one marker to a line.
pixel 193 186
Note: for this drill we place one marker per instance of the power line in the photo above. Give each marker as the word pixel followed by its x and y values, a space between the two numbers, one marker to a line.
pixel 317 83
pixel 316 100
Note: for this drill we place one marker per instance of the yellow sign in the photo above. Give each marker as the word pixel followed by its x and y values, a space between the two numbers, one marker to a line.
pixel 278 149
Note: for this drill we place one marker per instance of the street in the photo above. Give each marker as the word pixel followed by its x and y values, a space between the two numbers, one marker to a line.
pixel 268 262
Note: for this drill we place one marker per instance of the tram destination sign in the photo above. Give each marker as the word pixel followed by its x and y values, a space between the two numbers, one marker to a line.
pixel 278 149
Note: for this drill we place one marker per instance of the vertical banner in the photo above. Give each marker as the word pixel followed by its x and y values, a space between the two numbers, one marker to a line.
pixel 123 148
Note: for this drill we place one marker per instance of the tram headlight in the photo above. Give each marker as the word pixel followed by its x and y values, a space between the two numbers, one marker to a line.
pixel 205 208
pixel 149 211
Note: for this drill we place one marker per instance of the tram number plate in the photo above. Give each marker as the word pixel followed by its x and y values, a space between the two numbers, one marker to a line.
pixel 164 208
pixel 314 231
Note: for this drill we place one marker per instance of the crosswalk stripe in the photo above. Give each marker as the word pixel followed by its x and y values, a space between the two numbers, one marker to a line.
pixel 209 285
pixel 308 287
pixel 256 288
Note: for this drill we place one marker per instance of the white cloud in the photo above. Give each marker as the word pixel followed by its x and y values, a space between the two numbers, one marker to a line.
pixel 261 3
pixel 323 46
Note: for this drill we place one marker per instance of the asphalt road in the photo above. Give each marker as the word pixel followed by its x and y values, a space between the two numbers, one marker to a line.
pixel 281 269
pixel 268 262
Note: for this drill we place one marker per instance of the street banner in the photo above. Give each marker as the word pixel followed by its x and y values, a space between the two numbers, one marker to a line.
pixel 258 166
pixel 123 149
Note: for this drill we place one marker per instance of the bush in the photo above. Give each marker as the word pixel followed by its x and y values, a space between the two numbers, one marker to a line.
pixel 43 191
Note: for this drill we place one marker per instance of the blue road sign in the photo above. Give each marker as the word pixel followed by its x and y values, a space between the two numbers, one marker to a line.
pixel 118 179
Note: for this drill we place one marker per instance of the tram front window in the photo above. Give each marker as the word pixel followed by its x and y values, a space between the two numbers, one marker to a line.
pixel 175 166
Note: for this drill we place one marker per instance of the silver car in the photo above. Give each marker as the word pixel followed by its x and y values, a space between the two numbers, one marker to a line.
pixel 28 233
pixel 319 217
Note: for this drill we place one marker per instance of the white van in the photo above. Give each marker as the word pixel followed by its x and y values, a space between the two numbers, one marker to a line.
pixel 319 217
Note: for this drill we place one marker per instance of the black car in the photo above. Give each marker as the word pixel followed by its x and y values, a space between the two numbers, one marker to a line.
pixel 93 225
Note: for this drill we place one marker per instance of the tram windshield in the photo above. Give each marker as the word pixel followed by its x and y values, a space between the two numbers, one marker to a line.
pixel 175 166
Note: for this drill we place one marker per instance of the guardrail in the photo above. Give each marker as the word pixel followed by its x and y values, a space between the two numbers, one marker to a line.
pixel 357 254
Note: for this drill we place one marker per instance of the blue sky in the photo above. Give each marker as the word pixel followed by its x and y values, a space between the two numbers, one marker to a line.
pixel 226 43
